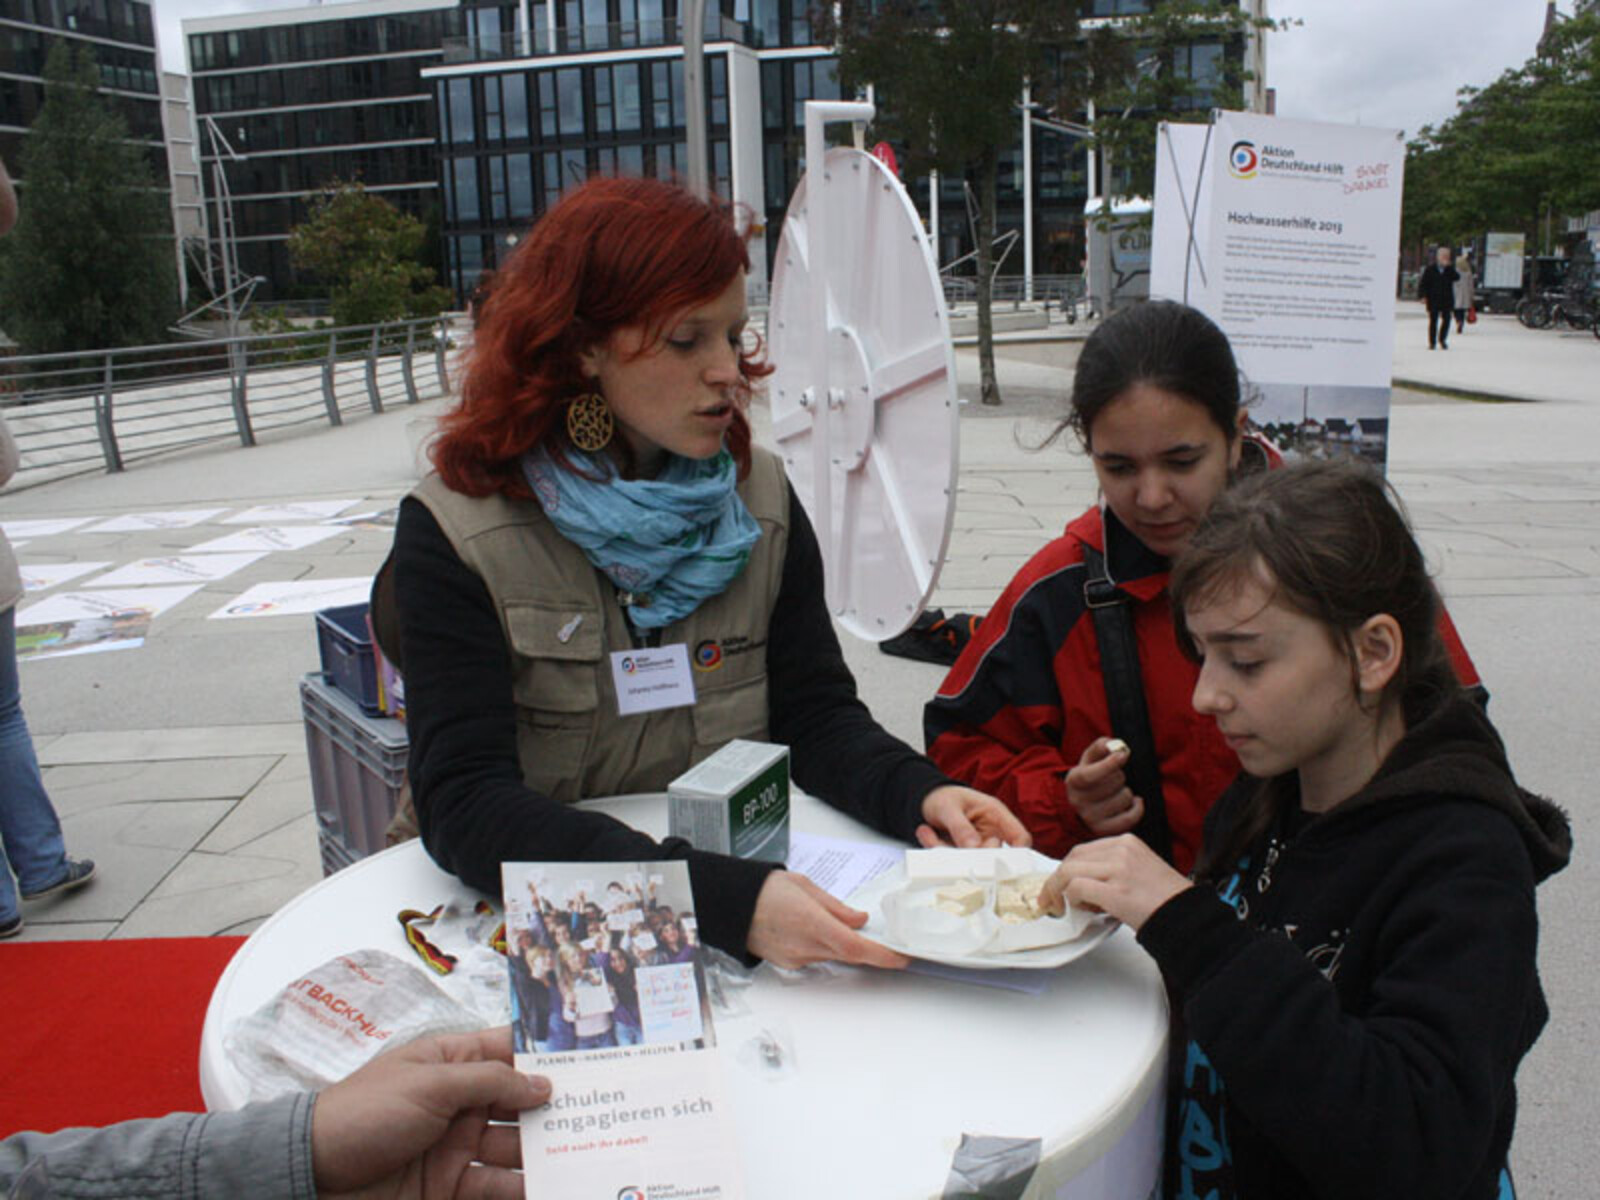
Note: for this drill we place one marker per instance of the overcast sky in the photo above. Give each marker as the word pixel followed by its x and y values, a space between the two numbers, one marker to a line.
pixel 1391 63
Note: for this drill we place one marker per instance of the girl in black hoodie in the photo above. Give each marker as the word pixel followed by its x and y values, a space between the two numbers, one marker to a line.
pixel 1353 968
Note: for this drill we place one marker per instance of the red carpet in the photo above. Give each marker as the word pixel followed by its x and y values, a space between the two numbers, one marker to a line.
pixel 97 1032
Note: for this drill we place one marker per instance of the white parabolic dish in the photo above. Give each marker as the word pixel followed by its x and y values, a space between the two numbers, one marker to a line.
pixel 887 443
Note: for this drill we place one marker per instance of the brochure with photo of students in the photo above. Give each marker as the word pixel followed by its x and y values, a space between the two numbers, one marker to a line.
pixel 608 999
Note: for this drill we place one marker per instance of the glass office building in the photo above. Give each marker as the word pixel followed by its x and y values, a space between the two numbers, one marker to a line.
pixel 309 96
pixel 121 34
pixel 534 98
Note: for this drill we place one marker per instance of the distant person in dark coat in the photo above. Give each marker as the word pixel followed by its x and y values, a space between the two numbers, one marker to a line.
pixel 1437 289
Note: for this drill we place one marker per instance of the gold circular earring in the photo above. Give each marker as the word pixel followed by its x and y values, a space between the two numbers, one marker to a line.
pixel 589 423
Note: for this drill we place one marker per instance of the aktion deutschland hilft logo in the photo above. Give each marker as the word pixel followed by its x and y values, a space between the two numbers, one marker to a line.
pixel 1243 160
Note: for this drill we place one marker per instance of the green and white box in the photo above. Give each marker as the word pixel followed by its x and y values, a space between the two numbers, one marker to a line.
pixel 735 802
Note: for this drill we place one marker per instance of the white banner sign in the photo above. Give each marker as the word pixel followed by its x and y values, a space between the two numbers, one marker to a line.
pixel 1286 234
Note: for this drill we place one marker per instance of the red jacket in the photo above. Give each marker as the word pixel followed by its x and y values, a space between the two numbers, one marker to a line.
pixel 1026 697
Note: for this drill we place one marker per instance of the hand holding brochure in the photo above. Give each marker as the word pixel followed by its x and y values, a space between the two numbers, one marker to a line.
pixel 609 1001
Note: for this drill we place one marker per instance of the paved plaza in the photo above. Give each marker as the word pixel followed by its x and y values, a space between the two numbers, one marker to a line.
pixel 181 767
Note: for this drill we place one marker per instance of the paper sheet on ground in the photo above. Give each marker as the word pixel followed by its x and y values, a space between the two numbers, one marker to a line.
pixel 146 521
pixel 78 606
pixel 202 568
pixel 91 635
pixel 299 596
pixel 837 866
pixel 267 537
pixel 298 510
pixel 382 518
pixel 36 577
pixel 42 526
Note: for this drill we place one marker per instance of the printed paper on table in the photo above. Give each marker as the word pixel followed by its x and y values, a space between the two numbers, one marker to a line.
pixel 624 1031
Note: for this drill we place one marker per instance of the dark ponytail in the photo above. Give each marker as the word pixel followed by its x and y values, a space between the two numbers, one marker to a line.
pixel 1334 541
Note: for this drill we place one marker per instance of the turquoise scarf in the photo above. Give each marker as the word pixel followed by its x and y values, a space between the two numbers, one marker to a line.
pixel 672 542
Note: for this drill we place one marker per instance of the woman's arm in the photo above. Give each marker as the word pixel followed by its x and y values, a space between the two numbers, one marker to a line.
pixel 838 752
pixel 474 810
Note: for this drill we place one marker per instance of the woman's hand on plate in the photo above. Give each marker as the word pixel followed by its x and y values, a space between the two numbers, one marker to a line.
pixel 1117 875
pixel 796 923
pixel 960 816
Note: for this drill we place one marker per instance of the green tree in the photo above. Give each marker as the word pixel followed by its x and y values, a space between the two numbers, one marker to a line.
pixel 949 75
pixel 367 252
pixel 1516 153
pixel 90 265
pixel 1172 64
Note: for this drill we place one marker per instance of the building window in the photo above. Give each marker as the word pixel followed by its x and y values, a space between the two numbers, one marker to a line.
pixel 569 90
pixel 547 105
pixel 630 160
pixel 468 209
pixel 552 180
pixel 602 100
pixel 718 72
pixel 492 130
pixel 625 96
pixel 519 185
pixel 461 129
pixel 497 189
pixel 660 96
pixel 515 90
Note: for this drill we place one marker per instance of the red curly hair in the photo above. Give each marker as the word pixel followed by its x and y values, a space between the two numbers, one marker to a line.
pixel 613 254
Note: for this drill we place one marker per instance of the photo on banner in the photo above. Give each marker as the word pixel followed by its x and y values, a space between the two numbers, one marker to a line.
pixel 608 999
pixel 1286 234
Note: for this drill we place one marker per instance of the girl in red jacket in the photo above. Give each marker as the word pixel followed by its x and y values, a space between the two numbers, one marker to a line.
pixel 1024 714
pixel 1353 972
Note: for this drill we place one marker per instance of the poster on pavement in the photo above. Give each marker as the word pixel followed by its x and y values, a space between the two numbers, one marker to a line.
pixel 1286 233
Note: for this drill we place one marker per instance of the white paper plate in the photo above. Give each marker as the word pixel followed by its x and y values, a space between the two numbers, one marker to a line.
pixel 869 899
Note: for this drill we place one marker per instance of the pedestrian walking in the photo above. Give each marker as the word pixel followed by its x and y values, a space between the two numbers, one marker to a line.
pixel 1437 289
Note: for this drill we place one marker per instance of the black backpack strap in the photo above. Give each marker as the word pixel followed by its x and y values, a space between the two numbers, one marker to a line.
pixel 1130 717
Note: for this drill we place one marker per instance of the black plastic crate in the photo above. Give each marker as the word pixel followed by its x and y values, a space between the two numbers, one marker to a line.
pixel 344 641
pixel 358 767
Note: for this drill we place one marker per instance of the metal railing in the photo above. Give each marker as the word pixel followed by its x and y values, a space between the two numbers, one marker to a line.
pixel 74 413
pixel 1058 291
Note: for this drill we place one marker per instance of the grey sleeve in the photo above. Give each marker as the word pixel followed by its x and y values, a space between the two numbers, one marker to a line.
pixel 262 1151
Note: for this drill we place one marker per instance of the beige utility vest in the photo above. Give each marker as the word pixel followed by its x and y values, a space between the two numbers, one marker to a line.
pixel 562 620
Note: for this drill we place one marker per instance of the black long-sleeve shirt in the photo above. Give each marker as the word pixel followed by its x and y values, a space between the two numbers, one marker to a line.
pixel 474 810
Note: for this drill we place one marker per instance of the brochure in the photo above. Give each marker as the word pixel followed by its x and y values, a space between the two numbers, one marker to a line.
pixel 608 999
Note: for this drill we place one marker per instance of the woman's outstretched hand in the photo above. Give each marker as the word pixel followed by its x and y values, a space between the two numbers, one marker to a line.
pixel 960 816
pixel 796 923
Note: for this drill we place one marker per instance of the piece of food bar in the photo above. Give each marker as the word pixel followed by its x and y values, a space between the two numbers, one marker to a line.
pixel 1017 900
pixel 962 899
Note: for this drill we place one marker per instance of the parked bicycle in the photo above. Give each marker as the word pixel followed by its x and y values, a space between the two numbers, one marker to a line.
pixel 1558 309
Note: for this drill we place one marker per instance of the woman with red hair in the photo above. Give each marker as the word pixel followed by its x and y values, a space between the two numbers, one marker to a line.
pixel 597 503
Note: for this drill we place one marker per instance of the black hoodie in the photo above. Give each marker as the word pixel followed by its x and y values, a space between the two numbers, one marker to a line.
pixel 1353 1001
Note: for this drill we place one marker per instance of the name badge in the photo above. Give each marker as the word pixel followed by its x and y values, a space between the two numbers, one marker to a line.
pixel 652 678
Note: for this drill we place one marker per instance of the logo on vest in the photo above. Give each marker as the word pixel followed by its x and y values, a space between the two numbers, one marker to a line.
pixel 708 655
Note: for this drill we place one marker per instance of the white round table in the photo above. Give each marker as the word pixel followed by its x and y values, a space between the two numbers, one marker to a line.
pixel 889 1069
